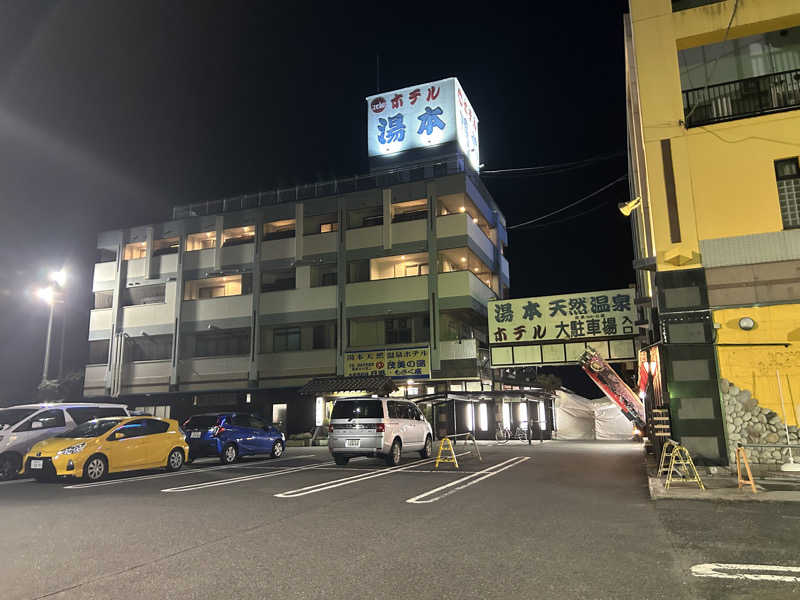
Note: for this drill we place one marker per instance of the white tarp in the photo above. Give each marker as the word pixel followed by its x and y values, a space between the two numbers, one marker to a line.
pixel 579 418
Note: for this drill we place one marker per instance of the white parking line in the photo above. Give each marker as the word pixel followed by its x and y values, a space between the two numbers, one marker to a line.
pixel 747 572
pixel 470 479
pixel 329 485
pixel 80 486
pixel 243 479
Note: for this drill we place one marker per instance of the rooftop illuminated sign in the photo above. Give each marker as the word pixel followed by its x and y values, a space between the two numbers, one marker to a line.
pixel 421 116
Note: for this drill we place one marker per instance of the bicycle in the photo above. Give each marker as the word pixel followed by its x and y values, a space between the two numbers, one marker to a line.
pixel 502 434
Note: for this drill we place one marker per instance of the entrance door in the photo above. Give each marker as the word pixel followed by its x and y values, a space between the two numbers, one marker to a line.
pixel 279 416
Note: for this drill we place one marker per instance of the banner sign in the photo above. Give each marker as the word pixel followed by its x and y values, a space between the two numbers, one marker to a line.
pixel 397 363
pixel 573 317
pixel 421 116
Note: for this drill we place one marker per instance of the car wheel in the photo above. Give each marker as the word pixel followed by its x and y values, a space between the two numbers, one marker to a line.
pixel 393 458
pixel 277 449
pixel 175 460
pixel 229 454
pixel 9 466
pixel 95 468
pixel 427 449
pixel 341 460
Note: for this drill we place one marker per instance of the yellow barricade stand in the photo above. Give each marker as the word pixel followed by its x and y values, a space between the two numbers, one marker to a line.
pixel 450 454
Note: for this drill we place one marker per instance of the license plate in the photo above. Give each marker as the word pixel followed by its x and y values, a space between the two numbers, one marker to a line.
pixel 37 464
pixel 197 434
pixel 352 443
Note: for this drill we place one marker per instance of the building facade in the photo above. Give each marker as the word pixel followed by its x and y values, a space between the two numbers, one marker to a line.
pixel 713 91
pixel 243 301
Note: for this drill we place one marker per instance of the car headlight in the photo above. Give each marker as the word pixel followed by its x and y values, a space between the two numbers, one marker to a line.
pixel 283 436
pixel 72 449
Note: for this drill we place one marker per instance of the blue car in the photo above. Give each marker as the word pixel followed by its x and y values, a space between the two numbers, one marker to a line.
pixel 231 435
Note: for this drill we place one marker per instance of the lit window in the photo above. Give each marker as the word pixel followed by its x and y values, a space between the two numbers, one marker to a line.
pixel 201 241
pixel 135 250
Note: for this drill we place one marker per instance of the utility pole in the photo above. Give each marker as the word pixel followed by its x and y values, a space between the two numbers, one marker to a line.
pixel 47 343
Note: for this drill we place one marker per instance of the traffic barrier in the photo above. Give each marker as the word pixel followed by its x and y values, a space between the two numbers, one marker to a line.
pixel 446 446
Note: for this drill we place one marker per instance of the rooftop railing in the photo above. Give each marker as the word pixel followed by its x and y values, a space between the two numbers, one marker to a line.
pixel 743 98
pixel 328 188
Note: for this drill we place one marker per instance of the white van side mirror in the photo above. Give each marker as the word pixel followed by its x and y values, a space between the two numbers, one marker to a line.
pixel 36 425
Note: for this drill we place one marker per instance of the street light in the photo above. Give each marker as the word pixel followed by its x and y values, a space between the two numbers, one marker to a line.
pixel 49 295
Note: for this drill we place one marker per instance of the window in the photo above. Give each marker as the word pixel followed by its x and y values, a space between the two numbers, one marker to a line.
pixel 787 173
pixel 464 259
pixel 219 342
pixel 201 422
pixel 105 255
pixel 357 409
pixel 274 281
pixel 98 352
pixel 398 331
pixel 155 426
pixel 324 223
pixel 135 250
pixel 218 287
pixel 358 270
pixel 247 421
pixel 82 414
pixel 278 230
pixel 741 77
pixel 410 211
pixel 166 246
pixel 136 428
pixel 148 347
pixel 48 419
pixel 324 336
pixel 328 227
pixel 322 275
pixel 368 216
pixel 238 235
pixel 404 265
pixel 143 294
pixel 103 299
pixel 201 241
pixel 286 339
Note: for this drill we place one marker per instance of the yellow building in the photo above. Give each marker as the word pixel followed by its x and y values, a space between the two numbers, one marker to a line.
pixel 713 91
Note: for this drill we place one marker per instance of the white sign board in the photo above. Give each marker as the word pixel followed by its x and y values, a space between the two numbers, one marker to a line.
pixel 579 316
pixel 421 116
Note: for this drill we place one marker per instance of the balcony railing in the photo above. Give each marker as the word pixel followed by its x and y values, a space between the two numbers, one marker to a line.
pixel 318 190
pixel 743 98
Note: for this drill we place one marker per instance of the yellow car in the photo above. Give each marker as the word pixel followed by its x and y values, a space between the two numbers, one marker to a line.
pixel 109 445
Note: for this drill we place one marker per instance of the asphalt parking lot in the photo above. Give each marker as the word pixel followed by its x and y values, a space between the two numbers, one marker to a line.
pixel 567 519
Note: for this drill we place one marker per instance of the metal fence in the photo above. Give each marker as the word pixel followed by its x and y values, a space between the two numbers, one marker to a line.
pixel 742 98
pixel 326 188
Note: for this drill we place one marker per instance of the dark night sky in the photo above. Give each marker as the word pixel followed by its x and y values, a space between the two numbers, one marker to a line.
pixel 112 112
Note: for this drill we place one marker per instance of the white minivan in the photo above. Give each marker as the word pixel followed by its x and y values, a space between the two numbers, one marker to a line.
pixel 24 425
pixel 382 427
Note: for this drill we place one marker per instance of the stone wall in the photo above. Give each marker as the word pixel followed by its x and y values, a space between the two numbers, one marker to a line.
pixel 749 423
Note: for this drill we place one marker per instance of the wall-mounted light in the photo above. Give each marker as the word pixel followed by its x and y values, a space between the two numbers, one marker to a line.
pixel 746 323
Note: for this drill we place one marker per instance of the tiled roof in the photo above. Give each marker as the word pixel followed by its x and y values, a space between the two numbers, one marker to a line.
pixel 373 384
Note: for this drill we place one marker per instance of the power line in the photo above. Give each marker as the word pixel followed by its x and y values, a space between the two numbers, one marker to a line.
pixel 571 217
pixel 568 206
pixel 553 168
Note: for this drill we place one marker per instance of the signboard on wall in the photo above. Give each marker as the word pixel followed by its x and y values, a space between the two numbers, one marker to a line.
pixel 397 363
pixel 558 329
pixel 421 116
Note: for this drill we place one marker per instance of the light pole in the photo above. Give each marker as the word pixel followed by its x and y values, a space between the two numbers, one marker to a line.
pixel 50 296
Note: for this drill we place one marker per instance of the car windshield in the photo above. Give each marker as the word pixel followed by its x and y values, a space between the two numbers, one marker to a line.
pixel 91 429
pixel 11 416
pixel 357 409
pixel 201 422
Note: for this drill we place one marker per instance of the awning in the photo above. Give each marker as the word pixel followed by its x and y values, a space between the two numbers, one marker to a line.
pixel 370 384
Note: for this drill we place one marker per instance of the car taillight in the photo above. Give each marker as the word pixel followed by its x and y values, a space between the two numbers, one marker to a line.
pixel 216 430
pixel 330 428
pixel 380 428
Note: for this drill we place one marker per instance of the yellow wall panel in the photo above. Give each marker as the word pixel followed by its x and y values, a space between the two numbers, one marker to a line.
pixel 753 365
